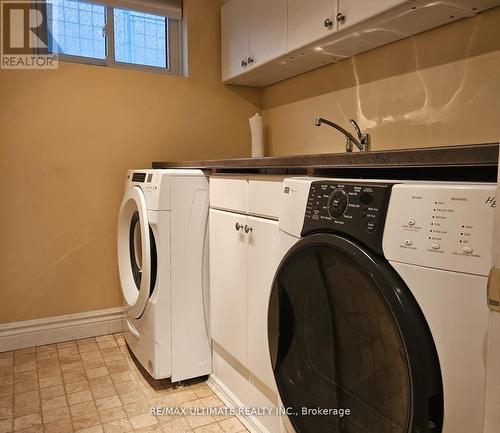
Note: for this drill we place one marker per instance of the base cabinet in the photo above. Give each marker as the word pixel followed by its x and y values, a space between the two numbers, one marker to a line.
pixel 228 285
pixel 262 263
pixel 243 259
pixel 242 391
pixel 244 254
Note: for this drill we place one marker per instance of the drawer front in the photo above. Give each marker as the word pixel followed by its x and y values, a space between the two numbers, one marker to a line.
pixel 264 196
pixel 230 193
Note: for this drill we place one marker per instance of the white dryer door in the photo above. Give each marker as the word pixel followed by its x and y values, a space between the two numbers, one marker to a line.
pixel 134 252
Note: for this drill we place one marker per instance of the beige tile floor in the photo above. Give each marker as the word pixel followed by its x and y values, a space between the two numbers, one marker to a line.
pixel 94 385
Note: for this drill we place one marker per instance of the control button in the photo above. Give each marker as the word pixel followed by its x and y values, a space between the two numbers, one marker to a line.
pixel 467 250
pixel 337 203
pixel 370 226
pixel 435 246
pixel 366 198
pixel 408 242
pixel 411 222
pixel 363 214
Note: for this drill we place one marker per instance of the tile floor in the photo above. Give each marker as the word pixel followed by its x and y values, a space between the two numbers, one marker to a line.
pixel 94 385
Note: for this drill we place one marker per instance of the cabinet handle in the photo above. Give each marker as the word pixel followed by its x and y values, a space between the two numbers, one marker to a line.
pixel 248 228
pixel 340 18
pixel 250 60
pixel 238 226
pixel 243 63
pixel 328 23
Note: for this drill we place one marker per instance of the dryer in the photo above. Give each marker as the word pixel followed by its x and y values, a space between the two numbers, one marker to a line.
pixel 378 307
pixel 163 266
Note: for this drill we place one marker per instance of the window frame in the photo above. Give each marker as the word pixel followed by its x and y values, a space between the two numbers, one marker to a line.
pixel 173 45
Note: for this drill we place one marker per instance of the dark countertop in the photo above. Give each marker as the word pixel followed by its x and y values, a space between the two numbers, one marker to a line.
pixel 477 157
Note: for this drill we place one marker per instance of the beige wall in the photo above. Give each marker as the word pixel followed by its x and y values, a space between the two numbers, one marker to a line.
pixel 66 139
pixel 441 87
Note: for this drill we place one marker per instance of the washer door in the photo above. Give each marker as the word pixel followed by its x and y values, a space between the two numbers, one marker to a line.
pixel 346 333
pixel 136 252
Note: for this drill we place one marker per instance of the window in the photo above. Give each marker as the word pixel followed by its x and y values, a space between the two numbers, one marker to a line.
pixel 140 38
pixel 105 35
pixel 76 29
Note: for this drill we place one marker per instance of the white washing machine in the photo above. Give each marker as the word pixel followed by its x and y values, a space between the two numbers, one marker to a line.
pixel 379 305
pixel 163 265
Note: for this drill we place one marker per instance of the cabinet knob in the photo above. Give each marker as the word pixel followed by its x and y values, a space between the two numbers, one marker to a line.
pixel 248 229
pixel 340 18
pixel 328 23
pixel 250 60
pixel 238 226
pixel 243 63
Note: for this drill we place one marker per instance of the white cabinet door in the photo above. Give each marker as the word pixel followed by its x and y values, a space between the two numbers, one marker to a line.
pixel 262 264
pixel 228 283
pixel 267 30
pixel 306 21
pixel 235 37
pixel 355 11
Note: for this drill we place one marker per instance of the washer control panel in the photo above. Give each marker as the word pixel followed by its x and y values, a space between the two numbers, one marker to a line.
pixel 148 181
pixel 441 226
pixel 154 184
pixel 355 209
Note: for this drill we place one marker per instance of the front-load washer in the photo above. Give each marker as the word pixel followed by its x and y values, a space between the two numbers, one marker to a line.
pixel 163 266
pixel 378 318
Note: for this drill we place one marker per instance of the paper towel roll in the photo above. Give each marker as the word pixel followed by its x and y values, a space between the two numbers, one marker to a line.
pixel 257 132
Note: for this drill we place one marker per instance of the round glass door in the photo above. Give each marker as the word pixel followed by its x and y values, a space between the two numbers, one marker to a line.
pixel 136 253
pixel 350 348
pixel 135 248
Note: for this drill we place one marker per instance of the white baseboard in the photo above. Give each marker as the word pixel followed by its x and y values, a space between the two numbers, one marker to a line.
pixel 251 422
pixel 29 333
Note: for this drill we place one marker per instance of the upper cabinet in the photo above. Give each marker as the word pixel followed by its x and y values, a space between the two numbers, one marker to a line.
pixel 309 21
pixel 253 33
pixel 267 30
pixel 267 41
pixel 235 34
pixel 352 12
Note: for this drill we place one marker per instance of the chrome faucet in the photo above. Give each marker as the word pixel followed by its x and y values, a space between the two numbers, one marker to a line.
pixel 363 141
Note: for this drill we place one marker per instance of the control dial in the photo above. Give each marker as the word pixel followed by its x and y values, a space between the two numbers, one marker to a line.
pixel 337 203
pixel 366 198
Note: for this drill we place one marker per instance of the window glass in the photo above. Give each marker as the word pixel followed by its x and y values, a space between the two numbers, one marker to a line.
pixel 76 28
pixel 140 38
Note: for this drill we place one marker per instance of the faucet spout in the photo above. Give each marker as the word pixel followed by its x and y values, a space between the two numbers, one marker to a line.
pixel 364 139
